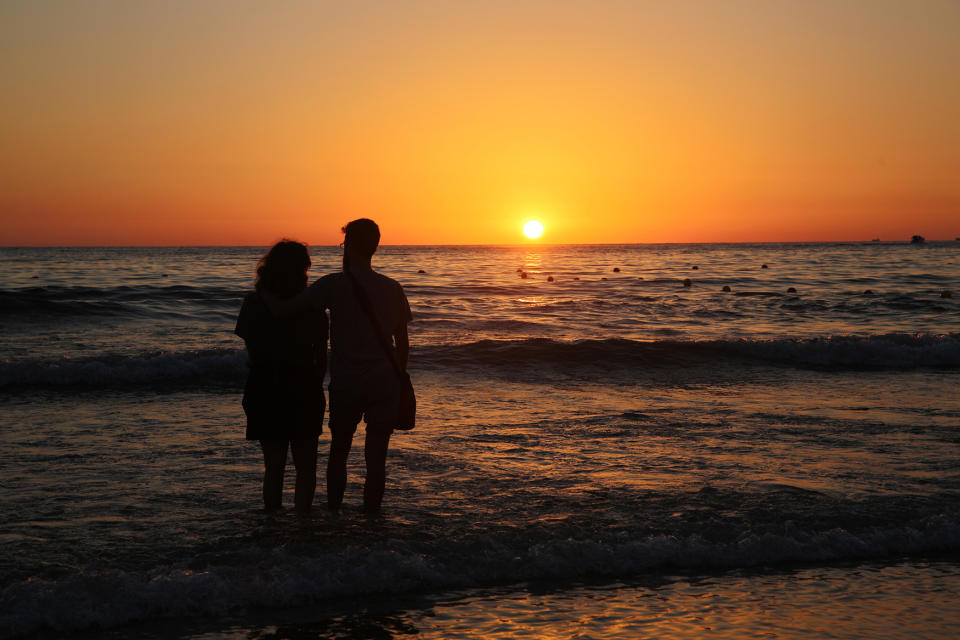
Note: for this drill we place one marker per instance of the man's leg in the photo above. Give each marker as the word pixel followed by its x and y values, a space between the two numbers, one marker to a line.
pixel 274 462
pixel 305 460
pixel 345 413
pixel 340 442
pixel 375 453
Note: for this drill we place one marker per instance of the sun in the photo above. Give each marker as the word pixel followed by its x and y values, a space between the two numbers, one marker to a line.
pixel 533 229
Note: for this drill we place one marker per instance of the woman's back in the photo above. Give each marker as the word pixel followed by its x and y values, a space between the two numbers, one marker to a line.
pixel 296 341
pixel 283 398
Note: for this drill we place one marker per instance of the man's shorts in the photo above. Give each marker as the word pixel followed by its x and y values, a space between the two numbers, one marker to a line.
pixel 374 398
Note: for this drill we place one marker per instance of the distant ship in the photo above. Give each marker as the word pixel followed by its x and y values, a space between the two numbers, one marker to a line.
pixel 917 240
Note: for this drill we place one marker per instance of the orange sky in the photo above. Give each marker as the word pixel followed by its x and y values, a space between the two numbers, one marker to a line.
pixel 237 122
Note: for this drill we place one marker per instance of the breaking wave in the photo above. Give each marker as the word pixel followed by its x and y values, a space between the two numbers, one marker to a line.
pixel 228 366
pixel 889 351
pixel 283 578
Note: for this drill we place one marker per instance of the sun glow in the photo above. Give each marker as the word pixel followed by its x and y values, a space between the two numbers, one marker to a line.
pixel 533 229
pixel 607 123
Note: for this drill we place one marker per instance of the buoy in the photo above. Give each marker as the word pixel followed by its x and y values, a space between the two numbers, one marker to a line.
pixel 695 267
pixel 687 282
pixel 791 290
pixel 726 288
pixel 946 293
pixel 616 269
pixel 603 278
pixel 421 271
pixel 763 266
pixel 523 274
pixel 549 278
pixel 868 292
pixel 576 278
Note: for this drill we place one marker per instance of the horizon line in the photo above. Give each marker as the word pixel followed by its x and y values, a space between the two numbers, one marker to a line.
pixel 471 244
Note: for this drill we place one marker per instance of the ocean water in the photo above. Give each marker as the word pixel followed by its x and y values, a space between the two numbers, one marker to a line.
pixel 608 453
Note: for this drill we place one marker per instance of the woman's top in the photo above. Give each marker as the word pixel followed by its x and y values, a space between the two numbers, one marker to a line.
pixel 283 398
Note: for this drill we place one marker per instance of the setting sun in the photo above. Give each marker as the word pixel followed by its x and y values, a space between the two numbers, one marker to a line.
pixel 533 229
pixel 835 121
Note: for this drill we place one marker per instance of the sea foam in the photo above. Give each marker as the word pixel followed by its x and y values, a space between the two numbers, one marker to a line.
pixel 221 367
pixel 279 578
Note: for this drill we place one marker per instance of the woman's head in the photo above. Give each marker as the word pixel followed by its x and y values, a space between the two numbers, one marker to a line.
pixel 283 270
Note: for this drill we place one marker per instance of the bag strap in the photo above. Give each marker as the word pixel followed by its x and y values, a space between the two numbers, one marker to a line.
pixel 381 335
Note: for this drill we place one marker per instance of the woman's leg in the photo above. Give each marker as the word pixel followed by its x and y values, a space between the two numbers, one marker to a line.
pixel 274 462
pixel 305 460
pixel 375 454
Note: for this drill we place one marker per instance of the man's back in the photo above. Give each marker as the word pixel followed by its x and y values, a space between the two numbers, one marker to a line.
pixel 355 347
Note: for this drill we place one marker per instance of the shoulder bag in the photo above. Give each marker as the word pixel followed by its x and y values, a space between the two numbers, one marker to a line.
pixel 407 406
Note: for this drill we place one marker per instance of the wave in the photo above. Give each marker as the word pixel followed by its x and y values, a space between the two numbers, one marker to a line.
pixel 60 302
pixel 213 367
pixel 283 578
pixel 227 367
pixel 887 351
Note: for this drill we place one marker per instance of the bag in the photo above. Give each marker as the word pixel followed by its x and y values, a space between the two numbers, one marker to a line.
pixel 407 409
pixel 407 398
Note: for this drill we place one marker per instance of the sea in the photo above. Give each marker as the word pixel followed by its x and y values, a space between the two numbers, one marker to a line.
pixel 616 441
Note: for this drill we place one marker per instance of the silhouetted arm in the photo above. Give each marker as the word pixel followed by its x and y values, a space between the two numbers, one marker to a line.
pixel 402 340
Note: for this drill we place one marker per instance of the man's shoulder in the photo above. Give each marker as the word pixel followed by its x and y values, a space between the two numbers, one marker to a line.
pixel 325 283
pixel 395 297
pixel 387 281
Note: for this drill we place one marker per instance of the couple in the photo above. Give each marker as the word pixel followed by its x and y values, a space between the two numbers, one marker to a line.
pixel 284 327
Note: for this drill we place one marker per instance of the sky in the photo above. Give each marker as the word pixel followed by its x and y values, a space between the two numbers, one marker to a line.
pixel 238 123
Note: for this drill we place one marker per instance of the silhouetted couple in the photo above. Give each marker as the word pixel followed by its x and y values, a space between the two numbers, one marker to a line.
pixel 284 326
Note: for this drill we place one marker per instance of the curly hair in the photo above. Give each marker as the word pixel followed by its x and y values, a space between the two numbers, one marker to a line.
pixel 283 269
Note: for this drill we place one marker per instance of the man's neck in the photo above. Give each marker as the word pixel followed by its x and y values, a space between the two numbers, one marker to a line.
pixel 360 265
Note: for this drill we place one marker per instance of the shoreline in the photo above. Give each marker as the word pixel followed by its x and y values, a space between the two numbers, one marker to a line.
pixel 881 598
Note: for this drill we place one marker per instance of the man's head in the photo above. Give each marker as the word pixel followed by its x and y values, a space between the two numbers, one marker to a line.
pixel 361 237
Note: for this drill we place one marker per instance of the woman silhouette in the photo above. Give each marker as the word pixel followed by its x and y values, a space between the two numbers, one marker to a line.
pixel 283 398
